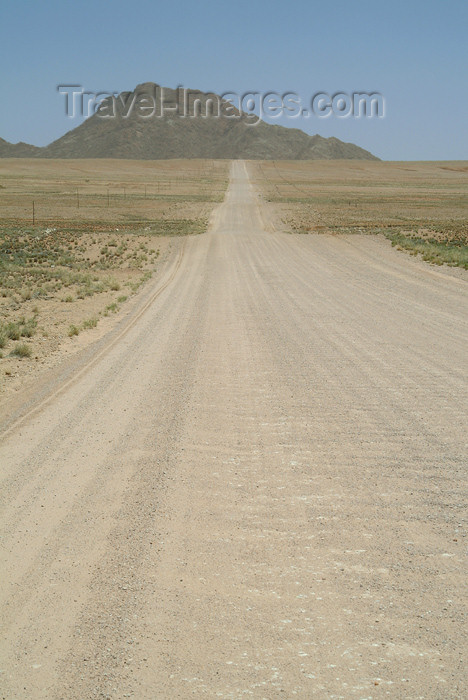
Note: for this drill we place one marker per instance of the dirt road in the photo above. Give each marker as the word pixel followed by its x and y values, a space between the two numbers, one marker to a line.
pixel 256 490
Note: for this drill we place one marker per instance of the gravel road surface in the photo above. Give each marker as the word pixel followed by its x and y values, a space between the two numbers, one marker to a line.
pixel 255 490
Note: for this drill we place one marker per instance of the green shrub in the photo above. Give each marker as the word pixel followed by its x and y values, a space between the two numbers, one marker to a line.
pixel 21 350
pixel 13 330
pixel 29 328
pixel 90 323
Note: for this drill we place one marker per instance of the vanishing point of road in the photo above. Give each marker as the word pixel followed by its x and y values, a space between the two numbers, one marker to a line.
pixel 255 489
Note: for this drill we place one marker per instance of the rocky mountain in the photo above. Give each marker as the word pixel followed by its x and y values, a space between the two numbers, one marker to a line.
pixel 155 123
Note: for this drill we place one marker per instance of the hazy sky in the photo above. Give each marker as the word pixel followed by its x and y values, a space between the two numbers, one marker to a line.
pixel 415 53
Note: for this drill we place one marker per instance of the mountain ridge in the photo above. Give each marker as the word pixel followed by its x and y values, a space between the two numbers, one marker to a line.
pixel 124 127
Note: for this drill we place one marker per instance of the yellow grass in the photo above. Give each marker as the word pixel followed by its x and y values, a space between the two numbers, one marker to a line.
pixel 317 195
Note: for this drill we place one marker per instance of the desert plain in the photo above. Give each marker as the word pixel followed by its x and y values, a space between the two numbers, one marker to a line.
pixel 233 429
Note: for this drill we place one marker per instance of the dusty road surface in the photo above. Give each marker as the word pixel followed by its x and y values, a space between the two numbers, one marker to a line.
pixel 256 490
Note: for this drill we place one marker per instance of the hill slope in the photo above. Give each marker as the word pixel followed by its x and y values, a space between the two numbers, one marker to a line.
pixel 18 150
pixel 124 127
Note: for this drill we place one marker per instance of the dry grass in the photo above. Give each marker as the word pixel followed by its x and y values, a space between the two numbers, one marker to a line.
pixel 421 207
pixel 99 228
pixel 101 192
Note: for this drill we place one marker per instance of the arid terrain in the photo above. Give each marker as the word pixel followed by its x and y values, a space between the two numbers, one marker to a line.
pixel 100 230
pixel 421 207
pixel 252 482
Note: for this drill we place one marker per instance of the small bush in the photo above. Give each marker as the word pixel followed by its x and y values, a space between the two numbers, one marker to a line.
pixel 29 328
pixel 13 331
pixel 90 323
pixel 73 330
pixel 21 350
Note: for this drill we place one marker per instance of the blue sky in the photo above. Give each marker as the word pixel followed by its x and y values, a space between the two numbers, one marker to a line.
pixel 414 53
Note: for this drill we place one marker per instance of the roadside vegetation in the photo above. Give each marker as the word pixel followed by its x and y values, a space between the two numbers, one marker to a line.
pixel 435 249
pixel 78 239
